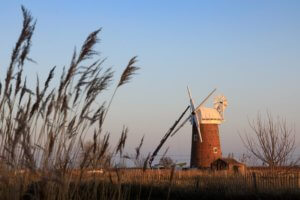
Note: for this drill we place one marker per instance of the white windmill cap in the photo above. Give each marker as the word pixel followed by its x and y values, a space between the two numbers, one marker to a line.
pixel 209 116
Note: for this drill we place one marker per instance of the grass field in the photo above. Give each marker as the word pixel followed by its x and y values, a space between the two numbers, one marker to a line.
pixel 151 184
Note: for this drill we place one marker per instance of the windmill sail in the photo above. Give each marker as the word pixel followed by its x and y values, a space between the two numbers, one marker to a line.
pixel 201 104
pixel 196 110
pixel 181 125
pixel 194 115
pixel 166 136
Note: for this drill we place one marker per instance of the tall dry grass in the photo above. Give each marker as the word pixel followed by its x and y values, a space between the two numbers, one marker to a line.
pixel 43 129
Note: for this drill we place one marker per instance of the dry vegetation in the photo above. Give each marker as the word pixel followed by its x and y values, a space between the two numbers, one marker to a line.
pixel 44 154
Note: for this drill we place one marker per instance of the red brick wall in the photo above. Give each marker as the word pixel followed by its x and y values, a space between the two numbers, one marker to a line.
pixel 202 154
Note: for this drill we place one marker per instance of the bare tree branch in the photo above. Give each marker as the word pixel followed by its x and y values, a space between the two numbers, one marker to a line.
pixel 272 141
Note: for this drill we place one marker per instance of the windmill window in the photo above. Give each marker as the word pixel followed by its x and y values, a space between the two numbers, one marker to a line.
pixel 215 150
pixel 195 137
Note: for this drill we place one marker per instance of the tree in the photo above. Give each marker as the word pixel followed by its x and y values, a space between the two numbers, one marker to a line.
pixel 272 141
pixel 166 162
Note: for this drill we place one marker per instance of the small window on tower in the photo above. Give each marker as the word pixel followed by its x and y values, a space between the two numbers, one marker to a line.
pixel 215 150
pixel 195 137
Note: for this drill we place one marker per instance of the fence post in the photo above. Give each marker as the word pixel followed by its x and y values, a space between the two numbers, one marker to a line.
pixel 298 179
pixel 254 181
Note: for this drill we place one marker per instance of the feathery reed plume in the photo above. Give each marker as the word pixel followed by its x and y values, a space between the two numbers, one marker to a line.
pixel 23 90
pixel 93 89
pixel 45 102
pixel 50 106
pixel 86 52
pixel 38 98
pixel 126 76
pixel 99 84
pixel 122 140
pixel 85 77
pixel 18 81
pixel 138 149
pixel 87 48
pixel 65 79
pixel 64 106
pixel 98 115
pixel 28 35
pixel 50 77
pixel 129 71
pixel 62 80
pixel 23 44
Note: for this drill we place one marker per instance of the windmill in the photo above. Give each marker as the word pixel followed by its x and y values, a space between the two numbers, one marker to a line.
pixel 220 103
pixel 205 131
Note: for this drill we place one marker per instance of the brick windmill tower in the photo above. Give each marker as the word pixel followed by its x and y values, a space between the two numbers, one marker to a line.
pixel 206 146
pixel 205 121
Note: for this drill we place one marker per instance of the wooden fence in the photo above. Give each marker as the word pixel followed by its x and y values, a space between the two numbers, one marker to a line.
pixel 274 181
pixel 251 181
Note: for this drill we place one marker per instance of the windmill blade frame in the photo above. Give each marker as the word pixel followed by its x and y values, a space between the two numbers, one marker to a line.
pixel 188 118
pixel 211 93
pixel 194 115
pixel 166 136
pixel 181 125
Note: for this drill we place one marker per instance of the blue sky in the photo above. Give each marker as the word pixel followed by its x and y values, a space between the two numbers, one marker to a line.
pixel 249 50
